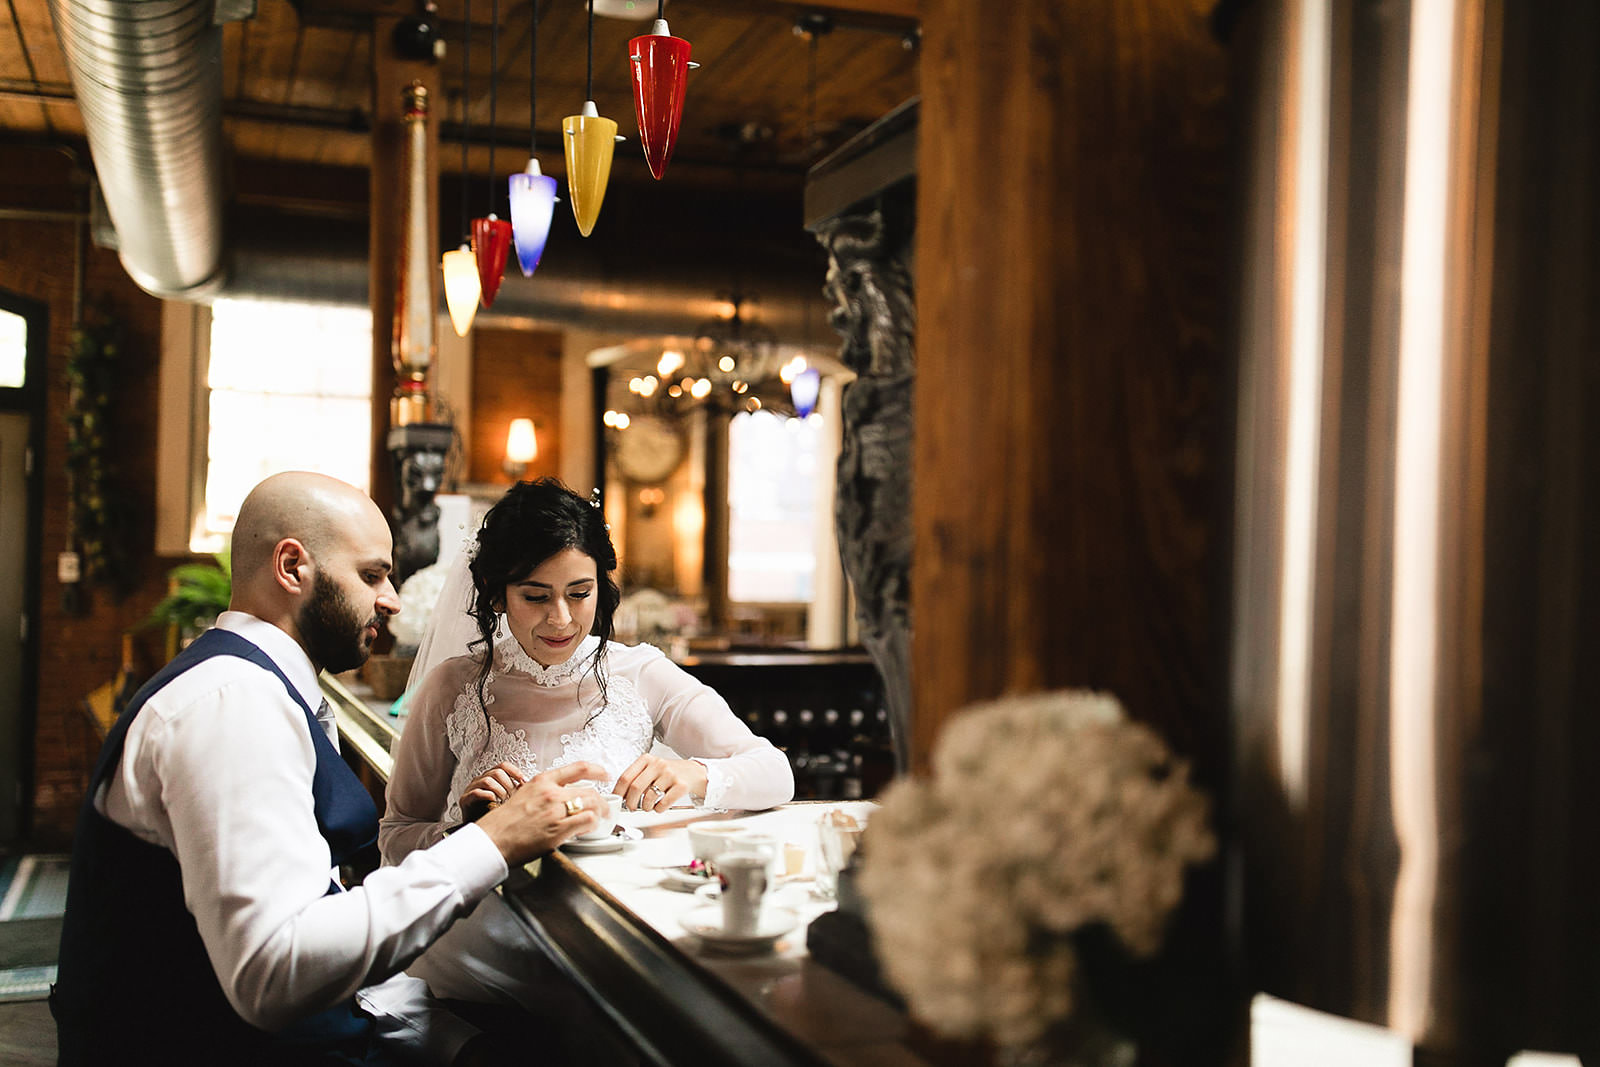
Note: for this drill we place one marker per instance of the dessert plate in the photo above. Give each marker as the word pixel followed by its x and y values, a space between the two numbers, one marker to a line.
pixel 706 924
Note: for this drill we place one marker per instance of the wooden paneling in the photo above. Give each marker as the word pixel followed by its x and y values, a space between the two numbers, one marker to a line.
pixel 515 374
pixel 1071 246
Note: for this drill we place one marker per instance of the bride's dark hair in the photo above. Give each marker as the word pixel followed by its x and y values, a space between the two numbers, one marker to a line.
pixel 532 522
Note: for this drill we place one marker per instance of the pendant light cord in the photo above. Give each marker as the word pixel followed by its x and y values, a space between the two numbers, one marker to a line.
pixel 588 78
pixel 494 76
pixel 466 112
pixel 811 101
pixel 661 10
pixel 533 82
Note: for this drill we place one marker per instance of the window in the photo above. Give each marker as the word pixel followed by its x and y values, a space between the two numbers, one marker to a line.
pixel 773 468
pixel 271 386
pixel 13 350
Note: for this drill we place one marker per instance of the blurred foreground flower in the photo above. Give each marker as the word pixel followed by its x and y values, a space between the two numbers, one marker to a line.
pixel 1046 816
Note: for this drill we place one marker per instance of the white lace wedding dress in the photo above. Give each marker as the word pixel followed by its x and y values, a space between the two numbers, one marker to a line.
pixel 540 718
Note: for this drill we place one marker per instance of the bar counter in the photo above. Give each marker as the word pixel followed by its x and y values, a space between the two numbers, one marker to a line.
pixel 608 922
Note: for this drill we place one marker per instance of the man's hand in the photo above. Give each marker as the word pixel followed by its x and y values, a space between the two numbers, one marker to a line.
pixel 545 812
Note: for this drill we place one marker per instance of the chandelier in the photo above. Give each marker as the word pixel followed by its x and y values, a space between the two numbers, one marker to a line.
pixel 732 365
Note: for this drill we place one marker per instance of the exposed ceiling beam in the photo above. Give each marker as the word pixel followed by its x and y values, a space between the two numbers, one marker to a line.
pixel 889 16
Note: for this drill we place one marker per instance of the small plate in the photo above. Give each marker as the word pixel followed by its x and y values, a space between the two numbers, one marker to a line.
pixel 684 881
pixel 706 924
pixel 624 835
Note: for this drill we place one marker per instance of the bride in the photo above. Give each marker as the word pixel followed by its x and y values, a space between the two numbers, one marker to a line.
pixel 518 674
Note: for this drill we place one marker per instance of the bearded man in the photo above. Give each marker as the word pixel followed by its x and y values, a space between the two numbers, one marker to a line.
pixel 205 922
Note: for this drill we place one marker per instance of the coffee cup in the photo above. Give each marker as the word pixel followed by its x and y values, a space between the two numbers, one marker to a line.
pixel 762 843
pixel 710 840
pixel 743 876
pixel 607 810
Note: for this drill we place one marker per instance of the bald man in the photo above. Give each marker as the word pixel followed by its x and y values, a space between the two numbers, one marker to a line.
pixel 205 922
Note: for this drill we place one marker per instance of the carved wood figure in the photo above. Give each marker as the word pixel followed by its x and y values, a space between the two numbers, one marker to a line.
pixel 869 282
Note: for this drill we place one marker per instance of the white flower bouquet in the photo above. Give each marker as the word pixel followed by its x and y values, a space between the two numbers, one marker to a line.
pixel 1044 816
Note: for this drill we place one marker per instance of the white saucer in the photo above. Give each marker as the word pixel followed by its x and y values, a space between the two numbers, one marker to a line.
pixel 614 843
pixel 706 924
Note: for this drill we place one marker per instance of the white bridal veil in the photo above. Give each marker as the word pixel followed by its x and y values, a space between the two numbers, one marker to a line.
pixel 450 627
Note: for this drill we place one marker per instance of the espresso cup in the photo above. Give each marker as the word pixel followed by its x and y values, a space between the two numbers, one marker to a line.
pixel 608 811
pixel 743 876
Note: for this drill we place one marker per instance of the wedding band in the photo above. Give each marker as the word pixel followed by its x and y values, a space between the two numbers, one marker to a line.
pixel 574 805
pixel 657 792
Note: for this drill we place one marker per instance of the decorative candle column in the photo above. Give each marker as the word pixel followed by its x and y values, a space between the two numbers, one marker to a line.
pixel 413 346
pixel 416 443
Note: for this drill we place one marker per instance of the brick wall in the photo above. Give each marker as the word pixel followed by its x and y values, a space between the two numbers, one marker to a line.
pixel 515 374
pixel 79 652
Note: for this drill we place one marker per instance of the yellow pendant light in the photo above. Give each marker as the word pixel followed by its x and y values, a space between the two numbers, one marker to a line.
pixel 590 141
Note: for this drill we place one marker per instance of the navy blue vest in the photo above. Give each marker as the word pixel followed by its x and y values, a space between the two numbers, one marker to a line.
pixel 134 982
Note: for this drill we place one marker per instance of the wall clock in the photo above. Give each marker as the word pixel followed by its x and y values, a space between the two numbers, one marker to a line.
pixel 649 450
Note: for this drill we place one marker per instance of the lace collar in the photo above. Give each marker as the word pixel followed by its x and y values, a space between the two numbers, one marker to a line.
pixel 510 655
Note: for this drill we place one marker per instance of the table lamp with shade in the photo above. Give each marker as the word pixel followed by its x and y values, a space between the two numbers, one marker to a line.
pixel 522 448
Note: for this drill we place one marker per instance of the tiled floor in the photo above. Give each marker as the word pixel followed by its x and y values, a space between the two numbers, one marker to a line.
pixel 32 897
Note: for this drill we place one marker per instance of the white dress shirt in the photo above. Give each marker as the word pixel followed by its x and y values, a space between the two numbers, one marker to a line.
pixel 217 769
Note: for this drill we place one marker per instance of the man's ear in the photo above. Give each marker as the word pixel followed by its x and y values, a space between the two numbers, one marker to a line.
pixel 292 568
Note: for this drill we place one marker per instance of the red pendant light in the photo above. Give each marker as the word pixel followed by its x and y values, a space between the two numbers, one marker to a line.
pixel 660 65
pixel 491 235
pixel 491 245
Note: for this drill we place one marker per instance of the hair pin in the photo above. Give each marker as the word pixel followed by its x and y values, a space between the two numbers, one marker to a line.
pixel 594 499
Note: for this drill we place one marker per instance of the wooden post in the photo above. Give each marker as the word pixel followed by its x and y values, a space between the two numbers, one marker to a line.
pixel 1071 239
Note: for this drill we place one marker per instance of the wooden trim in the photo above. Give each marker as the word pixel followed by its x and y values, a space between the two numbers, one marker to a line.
pixel 181 434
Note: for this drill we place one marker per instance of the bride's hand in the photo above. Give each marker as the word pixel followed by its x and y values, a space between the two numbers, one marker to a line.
pixel 654 784
pixel 490 789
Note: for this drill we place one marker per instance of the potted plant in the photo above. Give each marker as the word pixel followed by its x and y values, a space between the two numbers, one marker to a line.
pixel 196 594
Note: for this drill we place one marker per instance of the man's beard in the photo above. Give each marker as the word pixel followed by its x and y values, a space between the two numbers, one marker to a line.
pixel 332 628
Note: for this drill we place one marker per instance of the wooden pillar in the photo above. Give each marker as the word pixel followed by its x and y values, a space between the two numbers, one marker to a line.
pixel 1071 242
pixel 390 76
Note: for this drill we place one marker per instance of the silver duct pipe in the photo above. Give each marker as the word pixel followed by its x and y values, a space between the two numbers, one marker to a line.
pixel 1417 523
pixel 148 78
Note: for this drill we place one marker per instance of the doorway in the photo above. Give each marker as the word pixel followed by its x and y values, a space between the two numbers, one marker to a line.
pixel 22 356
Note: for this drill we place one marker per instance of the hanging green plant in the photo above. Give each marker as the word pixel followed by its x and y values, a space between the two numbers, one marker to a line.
pixel 95 520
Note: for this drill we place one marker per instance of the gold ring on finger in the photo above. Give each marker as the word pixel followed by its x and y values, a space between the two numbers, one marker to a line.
pixel 574 805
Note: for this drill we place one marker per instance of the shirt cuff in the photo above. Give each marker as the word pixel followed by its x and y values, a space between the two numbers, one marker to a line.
pixel 716 784
pixel 472 859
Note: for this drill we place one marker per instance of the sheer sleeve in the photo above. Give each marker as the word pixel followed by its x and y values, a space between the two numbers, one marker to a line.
pixel 745 771
pixel 417 795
